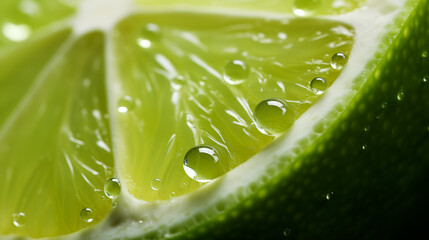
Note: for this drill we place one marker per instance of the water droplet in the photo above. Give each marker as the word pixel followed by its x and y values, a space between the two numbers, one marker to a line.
pixel 426 78
pixel 318 85
pixel 155 184
pixel 305 7
pixel 272 117
pixel 287 232
pixel 173 196
pixel 235 72
pixel 330 195
pixel 126 104
pixel 338 61
pixel 425 54
pixel 364 147
pixel 29 7
pixel 202 163
pixel 87 215
pixel 112 187
pixel 282 35
pixel 178 82
pixel 366 128
pixel 400 95
pixel 114 204
pixel 18 219
pixel 149 33
pixel 16 32
pixel 384 105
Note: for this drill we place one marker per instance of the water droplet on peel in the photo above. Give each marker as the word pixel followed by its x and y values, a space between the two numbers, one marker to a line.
pixel 287 232
pixel 400 95
pixel 87 215
pixel 426 78
pixel 149 33
pixel 384 105
pixel 366 129
pixel 201 163
pixel 272 116
pixel 330 195
pixel 425 54
pixel 155 184
pixel 305 7
pixel 126 104
pixel 338 61
pixel 114 204
pixel 236 71
pixel 112 187
pixel 318 85
pixel 364 147
pixel 18 219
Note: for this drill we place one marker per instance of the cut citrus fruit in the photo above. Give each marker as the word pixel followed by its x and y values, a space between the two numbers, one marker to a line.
pixel 212 119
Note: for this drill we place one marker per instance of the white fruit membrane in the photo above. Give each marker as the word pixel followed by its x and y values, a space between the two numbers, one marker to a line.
pixel 138 217
pixel 101 14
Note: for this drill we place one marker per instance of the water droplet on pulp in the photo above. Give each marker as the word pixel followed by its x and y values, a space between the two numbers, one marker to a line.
pixel 305 7
pixel 155 184
pixel 318 85
pixel 18 219
pixel 149 33
pixel 112 187
pixel 272 116
pixel 338 61
pixel 126 104
pixel 87 215
pixel 236 71
pixel 201 163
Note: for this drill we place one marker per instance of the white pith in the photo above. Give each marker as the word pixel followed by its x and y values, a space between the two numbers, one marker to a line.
pixel 369 23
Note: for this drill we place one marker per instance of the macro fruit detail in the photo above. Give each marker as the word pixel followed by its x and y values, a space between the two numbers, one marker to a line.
pixel 366 173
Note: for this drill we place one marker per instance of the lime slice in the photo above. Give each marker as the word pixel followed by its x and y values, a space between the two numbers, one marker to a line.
pixel 212 119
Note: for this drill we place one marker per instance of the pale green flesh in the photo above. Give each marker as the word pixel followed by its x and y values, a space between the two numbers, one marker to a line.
pixel 168 116
pixel 31 56
pixel 55 146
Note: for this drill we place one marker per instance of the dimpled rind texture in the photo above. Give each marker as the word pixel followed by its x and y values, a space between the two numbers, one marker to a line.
pixel 371 161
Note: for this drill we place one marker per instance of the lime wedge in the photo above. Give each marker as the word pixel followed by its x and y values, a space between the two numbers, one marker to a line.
pixel 186 80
